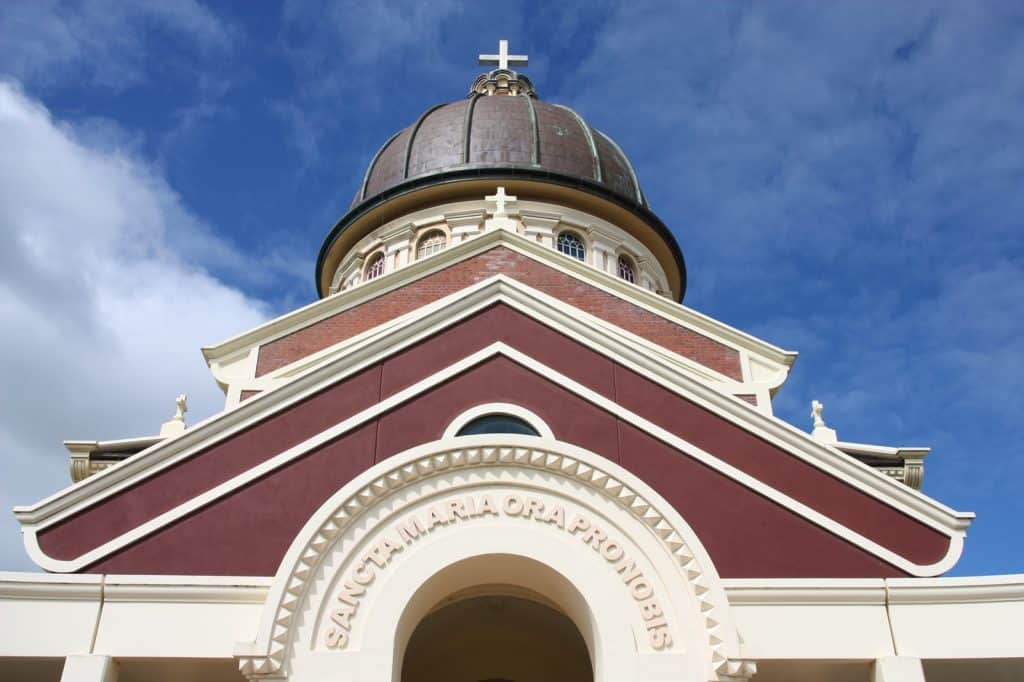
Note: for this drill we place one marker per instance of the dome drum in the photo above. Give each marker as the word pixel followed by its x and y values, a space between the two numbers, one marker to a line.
pixel 418 235
pixel 398 205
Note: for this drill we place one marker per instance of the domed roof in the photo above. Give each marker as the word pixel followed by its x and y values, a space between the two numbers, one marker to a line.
pixel 506 132
pixel 503 133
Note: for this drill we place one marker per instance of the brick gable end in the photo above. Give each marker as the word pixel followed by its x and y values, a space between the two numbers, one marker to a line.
pixel 499 260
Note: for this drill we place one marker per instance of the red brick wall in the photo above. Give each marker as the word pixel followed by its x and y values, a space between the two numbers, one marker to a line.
pixel 364 316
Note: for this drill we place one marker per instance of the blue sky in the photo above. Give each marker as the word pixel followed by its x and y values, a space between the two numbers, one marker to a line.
pixel 845 180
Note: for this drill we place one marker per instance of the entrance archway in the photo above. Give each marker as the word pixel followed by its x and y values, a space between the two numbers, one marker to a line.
pixel 496 637
pixel 472 512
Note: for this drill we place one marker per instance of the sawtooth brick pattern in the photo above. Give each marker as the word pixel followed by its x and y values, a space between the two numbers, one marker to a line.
pixel 499 260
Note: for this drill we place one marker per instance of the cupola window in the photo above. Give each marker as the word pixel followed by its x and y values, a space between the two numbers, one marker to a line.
pixel 570 244
pixel 497 423
pixel 626 270
pixel 375 268
pixel 431 243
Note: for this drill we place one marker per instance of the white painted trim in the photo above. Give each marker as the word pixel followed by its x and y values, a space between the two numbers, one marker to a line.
pixel 506 454
pixel 154 588
pixel 31 530
pixel 622 347
pixel 531 418
pixel 788 591
pixel 889 452
pixel 533 303
pixel 969 590
pixel 169 452
pixel 960 590
pixel 649 301
pixel 42 586
pixel 767 591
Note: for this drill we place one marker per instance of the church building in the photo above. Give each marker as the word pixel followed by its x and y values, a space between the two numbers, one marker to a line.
pixel 499 448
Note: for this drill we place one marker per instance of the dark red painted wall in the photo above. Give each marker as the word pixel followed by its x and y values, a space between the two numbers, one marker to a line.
pixel 247 532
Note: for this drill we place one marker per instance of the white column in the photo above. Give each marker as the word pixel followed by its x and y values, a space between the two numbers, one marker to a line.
pixel 898 669
pixel 89 668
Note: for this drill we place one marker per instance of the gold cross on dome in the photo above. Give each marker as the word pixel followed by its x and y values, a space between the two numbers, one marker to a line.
pixel 500 199
pixel 503 58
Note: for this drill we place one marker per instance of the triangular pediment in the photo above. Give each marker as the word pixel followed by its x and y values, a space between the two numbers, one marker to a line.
pixel 657 417
pixel 245 363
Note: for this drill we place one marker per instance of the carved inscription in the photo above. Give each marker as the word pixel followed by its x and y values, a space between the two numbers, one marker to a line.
pixel 411 528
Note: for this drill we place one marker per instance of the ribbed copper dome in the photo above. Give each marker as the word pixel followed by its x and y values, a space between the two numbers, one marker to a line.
pixel 501 132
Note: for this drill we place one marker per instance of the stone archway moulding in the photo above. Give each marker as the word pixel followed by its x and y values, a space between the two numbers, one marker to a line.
pixel 364 513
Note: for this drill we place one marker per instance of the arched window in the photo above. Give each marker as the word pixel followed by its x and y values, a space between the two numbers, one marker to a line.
pixel 431 243
pixel 375 268
pixel 570 244
pixel 626 269
pixel 497 423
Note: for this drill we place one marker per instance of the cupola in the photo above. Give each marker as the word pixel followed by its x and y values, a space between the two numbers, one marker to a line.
pixel 502 134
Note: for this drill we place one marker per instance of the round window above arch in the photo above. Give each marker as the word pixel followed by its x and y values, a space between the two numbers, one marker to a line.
pixel 497 423
pixel 498 418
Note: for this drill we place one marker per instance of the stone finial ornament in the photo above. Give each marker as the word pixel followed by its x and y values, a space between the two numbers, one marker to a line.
pixel 176 424
pixel 816 410
pixel 182 402
pixel 821 433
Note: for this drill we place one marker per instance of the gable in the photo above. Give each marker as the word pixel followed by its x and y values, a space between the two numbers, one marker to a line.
pixel 587 398
pixel 498 260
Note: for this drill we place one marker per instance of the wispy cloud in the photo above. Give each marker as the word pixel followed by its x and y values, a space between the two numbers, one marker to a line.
pixel 100 276
pixel 102 42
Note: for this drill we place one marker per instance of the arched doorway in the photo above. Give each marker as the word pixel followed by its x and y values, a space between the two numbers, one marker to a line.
pixel 496 638
pixel 495 515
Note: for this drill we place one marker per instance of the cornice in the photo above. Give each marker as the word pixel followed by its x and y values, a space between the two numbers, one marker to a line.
pixel 777 432
pixel 889 452
pixel 135 588
pixel 453 181
pixel 650 301
pixel 106 483
pixel 45 587
pixel 404 330
pixel 880 591
pixel 785 591
pixel 243 590
pixel 972 590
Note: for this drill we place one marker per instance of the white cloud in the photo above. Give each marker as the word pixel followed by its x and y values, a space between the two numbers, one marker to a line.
pixel 103 315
